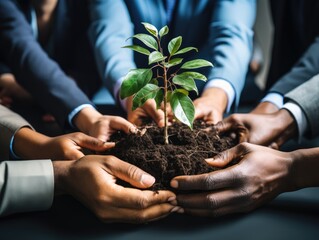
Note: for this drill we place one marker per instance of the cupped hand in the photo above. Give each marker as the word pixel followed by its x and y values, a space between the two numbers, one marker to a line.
pixel 260 176
pixel 72 146
pixel 148 110
pixel 264 129
pixel 211 105
pixel 92 180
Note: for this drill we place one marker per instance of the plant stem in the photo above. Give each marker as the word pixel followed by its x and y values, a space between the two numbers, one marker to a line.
pixel 165 107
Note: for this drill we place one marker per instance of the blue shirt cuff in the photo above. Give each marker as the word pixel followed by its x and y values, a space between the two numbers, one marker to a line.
pixel 12 153
pixel 75 112
pixel 227 87
pixel 274 98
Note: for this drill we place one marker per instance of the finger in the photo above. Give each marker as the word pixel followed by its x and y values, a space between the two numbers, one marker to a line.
pixel 136 216
pixel 208 181
pixel 140 199
pixel 224 158
pixel 92 143
pixel 129 173
pixel 122 124
pixel 212 200
pixel 212 213
pixel 156 114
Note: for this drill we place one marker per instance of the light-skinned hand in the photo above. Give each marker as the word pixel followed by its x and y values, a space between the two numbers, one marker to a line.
pixel 92 180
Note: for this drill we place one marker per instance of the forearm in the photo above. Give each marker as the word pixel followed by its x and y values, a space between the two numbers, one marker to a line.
pixel 304 170
pixel 28 144
pixel 61 171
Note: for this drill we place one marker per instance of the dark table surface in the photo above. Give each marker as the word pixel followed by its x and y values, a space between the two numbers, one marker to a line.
pixel 292 215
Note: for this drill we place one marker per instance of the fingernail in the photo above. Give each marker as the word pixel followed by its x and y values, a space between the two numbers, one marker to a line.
pixel 210 160
pixel 180 210
pixel 174 184
pixel 175 209
pixel 133 130
pixel 147 180
pixel 170 199
pixel 109 143
pixel 174 202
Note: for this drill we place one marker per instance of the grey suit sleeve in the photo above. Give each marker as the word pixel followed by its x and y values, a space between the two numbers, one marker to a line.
pixel 10 122
pixel 26 186
pixel 305 68
pixel 306 96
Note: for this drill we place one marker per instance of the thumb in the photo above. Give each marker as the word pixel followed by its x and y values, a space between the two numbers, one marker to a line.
pixel 93 143
pixel 130 173
pixel 224 158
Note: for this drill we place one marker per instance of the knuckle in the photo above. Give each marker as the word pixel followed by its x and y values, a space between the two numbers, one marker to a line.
pixel 143 202
pixel 212 202
pixel 209 182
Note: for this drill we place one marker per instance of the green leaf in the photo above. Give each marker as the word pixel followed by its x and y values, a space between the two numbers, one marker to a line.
pixel 195 75
pixel 164 30
pixel 186 82
pixel 159 98
pixel 155 57
pixel 185 50
pixel 138 49
pixel 183 108
pixel 174 45
pixel 174 62
pixel 154 81
pixel 147 40
pixel 134 81
pixel 150 28
pixel 147 92
pixel 197 63
pixel 185 92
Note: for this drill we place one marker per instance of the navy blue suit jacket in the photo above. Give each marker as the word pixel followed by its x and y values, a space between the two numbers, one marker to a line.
pixel 45 76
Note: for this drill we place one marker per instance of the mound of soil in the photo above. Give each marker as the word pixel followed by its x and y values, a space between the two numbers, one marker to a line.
pixel 185 155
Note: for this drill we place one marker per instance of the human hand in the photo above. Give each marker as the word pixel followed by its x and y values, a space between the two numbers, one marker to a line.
pixel 93 123
pixel 265 108
pixel 29 144
pixel 10 89
pixel 148 110
pixel 264 129
pixel 92 180
pixel 211 105
pixel 260 176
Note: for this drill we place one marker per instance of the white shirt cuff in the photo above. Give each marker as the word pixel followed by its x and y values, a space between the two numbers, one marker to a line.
pixel 75 112
pixel 116 93
pixel 274 98
pixel 299 116
pixel 28 186
pixel 226 86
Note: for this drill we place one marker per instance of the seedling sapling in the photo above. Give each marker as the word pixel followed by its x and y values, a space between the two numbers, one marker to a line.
pixel 142 85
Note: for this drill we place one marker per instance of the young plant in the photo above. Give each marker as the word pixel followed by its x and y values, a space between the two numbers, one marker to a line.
pixel 143 85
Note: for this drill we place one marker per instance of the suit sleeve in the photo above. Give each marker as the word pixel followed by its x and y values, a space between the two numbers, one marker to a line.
pixel 305 68
pixel 231 41
pixel 26 186
pixel 33 69
pixel 110 28
pixel 10 123
pixel 307 98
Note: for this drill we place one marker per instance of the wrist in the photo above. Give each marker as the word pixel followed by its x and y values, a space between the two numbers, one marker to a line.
pixel 26 140
pixel 304 170
pixel 217 97
pixel 61 173
pixel 265 108
pixel 86 118
pixel 286 122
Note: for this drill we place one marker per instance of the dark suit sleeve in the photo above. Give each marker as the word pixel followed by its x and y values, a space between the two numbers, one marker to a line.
pixel 306 67
pixel 33 69
pixel 306 96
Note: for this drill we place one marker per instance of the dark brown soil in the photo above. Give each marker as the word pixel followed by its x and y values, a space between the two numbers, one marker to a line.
pixel 183 156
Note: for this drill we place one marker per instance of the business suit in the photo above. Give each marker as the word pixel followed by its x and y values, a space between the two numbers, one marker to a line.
pixel 24 185
pixel 220 29
pixel 46 74
pixel 306 96
pixel 296 27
